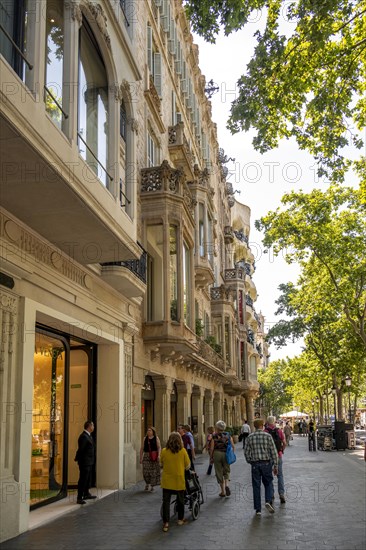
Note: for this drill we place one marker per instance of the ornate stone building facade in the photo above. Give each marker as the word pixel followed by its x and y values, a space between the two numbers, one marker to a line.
pixel 127 290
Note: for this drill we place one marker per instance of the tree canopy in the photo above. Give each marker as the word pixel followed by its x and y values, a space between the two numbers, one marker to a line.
pixel 326 233
pixel 309 85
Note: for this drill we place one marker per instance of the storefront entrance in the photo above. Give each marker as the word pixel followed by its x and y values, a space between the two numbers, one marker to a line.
pixel 63 399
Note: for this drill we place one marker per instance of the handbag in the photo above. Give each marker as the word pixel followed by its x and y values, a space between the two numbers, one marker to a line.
pixel 152 454
pixel 229 454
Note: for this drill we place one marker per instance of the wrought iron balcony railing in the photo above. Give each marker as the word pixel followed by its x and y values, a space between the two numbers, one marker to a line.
pixel 138 267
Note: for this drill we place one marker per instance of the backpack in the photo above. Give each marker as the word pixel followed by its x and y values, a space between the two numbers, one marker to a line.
pixel 276 438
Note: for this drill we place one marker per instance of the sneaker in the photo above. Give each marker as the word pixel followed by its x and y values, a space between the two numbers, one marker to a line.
pixel 227 491
pixel 270 508
pixel 282 499
pixel 258 513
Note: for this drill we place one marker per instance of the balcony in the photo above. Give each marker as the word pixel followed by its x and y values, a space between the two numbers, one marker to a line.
pixel 203 272
pixel 159 183
pixel 179 150
pixel 128 277
pixel 235 274
pixel 208 354
pixel 153 100
pixel 52 190
pixel 170 340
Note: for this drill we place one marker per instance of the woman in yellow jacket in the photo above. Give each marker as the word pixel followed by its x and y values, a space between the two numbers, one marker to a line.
pixel 174 460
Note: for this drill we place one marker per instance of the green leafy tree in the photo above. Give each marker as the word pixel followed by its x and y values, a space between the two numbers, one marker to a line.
pixel 326 233
pixel 309 85
pixel 275 390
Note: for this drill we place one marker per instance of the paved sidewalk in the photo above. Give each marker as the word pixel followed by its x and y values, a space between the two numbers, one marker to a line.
pixel 325 509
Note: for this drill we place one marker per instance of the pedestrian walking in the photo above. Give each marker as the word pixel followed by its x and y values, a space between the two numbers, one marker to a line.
pixel 280 444
pixel 260 451
pixel 312 430
pixel 301 427
pixel 287 430
pixel 188 442
pixel 210 431
pixel 149 458
pixel 245 431
pixel 85 457
pixel 219 443
pixel 174 460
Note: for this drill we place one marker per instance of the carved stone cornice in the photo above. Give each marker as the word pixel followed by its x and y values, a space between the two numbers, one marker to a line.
pixel 28 244
pixel 98 13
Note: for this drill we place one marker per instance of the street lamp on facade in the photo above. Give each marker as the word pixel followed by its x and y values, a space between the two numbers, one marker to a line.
pixel 348 381
pixel 334 392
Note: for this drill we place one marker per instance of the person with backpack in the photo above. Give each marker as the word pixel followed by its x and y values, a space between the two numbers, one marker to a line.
pixel 280 444
pixel 218 446
pixel 244 432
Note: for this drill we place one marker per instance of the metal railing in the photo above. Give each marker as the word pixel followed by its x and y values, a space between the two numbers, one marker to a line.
pixel 56 102
pixel 94 156
pixel 16 47
pixel 137 267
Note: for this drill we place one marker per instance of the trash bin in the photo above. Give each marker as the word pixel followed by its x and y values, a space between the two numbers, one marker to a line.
pixel 351 439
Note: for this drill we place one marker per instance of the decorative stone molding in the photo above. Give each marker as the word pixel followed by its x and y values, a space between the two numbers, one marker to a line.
pixel 75 11
pixel 30 245
pixel 8 329
pixel 98 13
pixel 134 125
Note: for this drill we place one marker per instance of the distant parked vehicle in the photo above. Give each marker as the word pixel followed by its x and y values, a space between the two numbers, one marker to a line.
pixel 360 436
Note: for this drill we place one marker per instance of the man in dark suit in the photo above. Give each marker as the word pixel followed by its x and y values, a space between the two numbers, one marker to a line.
pixel 85 457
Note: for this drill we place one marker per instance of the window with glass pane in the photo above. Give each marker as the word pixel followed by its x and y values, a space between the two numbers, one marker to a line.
pixel 48 419
pixel 13 18
pixel 201 230
pixel 173 272
pixel 186 284
pixel 54 59
pixel 93 105
pixel 210 244
pixel 154 279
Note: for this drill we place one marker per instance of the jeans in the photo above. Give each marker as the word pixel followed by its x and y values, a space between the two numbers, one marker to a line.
pixel 167 493
pixel 280 480
pixel 262 471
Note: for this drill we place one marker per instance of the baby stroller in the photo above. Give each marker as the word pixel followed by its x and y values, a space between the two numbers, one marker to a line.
pixel 193 496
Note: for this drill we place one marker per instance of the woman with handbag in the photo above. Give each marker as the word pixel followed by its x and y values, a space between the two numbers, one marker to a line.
pixel 150 459
pixel 219 445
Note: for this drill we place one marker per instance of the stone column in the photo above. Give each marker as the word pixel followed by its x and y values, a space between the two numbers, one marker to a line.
pixel 197 411
pixel 73 20
pixel 14 410
pixel 209 411
pixel 249 396
pixel 163 389
pixel 35 54
pixel 217 408
pixel 183 401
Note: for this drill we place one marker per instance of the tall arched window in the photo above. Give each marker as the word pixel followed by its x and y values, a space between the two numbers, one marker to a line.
pixel 54 60
pixel 93 105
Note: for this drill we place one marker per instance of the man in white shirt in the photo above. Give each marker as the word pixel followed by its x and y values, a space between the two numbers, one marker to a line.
pixel 245 431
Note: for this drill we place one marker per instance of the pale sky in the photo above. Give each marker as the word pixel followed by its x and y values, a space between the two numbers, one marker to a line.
pixel 261 179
